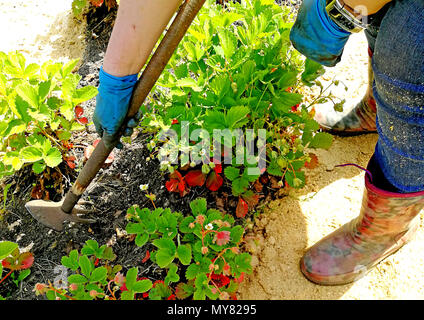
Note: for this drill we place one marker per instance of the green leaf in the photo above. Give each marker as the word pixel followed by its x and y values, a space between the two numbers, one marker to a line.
pixel 184 254
pixel 220 85
pixel 71 261
pixel 192 271
pixel 201 284
pixel 15 126
pixel 322 140
pixel 134 228
pixel 295 180
pixel 239 186
pixel 109 255
pixel 159 292
pixel 184 225
pixel 193 52
pixel 288 79
pixel 282 104
pixel 250 177
pixel 181 71
pixel 131 278
pixel 31 70
pixel 85 265
pixel 6 248
pixel 22 108
pixel 199 294
pixel 54 125
pixel 228 43
pixel 44 89
pixel 23 274
pixel 142 286
pixel 164 258
pixel 232 173
pixel 274 169
pixel 69 87
pixel 90 247
pixel 141 239
pixel 29 94
pixel 127 295
pixel 53 157
pixel 312 71
pixel 188 82
pixel 236 117
pixel 236 234
pixel 31 154
pixel 70 65
pixel 78 7
pixel 84 94
pixel 215 120
pixel 166 253
pixel 98 274
pixel 242 264
pixel 216 62
pixel 172 275
pixel 77 278
pixel 198 206
pixel 64 135
pixel 165 244
pixel 38 167
pixel 54 103
pixel 3 84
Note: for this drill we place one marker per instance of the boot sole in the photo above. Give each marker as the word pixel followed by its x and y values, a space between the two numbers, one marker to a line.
pixel 355 276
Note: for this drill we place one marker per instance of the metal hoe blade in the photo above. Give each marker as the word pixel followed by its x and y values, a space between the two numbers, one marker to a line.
pixel 51 214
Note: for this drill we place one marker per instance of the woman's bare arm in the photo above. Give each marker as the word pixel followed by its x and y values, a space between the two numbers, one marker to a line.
pixel 138 26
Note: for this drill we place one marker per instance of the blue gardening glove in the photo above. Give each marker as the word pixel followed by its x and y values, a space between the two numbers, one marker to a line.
pixel 112 104
pixel 316 36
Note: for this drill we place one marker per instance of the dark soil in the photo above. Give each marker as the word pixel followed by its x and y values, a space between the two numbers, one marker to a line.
pixel 113 191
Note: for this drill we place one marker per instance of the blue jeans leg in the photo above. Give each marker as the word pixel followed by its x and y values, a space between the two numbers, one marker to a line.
pixel 398 65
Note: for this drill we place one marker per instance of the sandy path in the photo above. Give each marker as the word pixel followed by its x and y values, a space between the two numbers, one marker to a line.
pixel 331 198
pixel 46 30
pixel 42 30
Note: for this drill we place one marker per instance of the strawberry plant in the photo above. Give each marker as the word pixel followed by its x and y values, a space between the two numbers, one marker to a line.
pixel 18 263
pixel 235 71
pixel 200 253
pixel 40 109
pixel 204 247
pixel 94 277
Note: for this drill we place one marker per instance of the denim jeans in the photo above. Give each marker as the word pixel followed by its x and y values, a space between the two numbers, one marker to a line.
pixel 398 64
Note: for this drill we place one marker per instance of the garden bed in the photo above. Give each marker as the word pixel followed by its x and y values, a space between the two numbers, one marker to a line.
pixel 115 189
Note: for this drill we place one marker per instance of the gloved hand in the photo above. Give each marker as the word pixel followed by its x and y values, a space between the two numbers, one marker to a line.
pixel 112 104
pixel 316 36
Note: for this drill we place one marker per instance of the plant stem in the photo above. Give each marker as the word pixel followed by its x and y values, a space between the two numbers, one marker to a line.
pixel 111 292
pixel 4 278
pixel 58 292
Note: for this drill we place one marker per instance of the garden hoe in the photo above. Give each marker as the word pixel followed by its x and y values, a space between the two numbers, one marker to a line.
pixel 54 214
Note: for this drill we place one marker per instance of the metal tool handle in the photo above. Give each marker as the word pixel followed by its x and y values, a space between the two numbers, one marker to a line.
pixel 186 14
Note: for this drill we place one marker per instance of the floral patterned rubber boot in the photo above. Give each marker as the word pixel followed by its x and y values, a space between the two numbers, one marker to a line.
pixel 357 117
pixel 386 222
